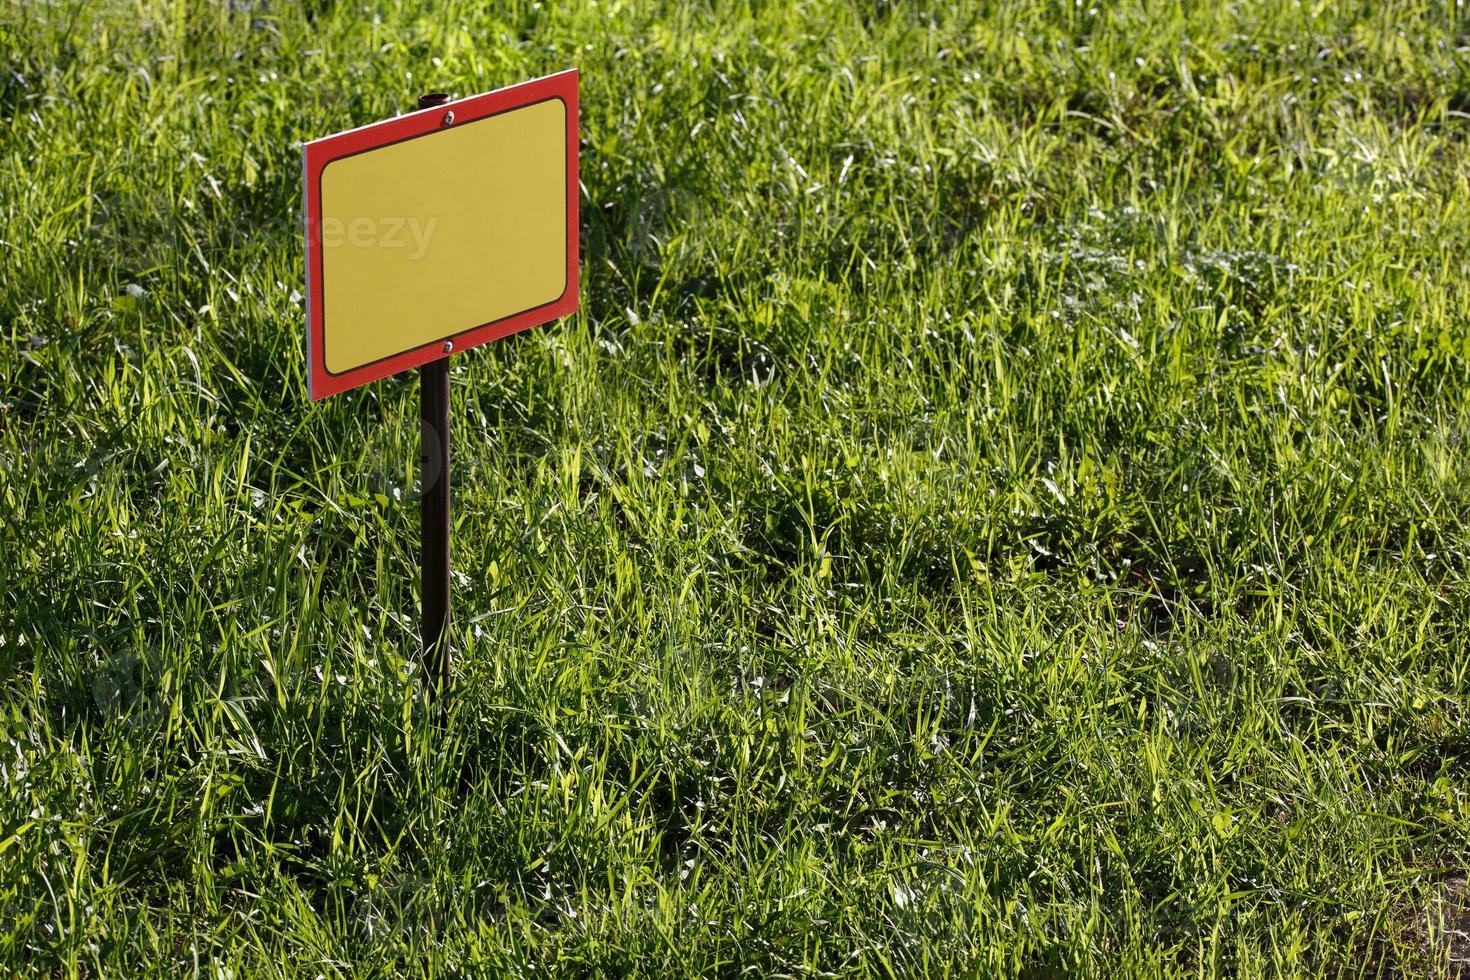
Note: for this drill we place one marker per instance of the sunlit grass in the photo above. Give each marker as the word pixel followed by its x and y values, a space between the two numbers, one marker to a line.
pixel 1000 509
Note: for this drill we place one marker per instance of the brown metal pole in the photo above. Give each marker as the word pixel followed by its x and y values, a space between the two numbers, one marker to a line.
pixel 434 513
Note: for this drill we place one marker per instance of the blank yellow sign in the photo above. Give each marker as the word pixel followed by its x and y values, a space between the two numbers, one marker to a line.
pixel 442 232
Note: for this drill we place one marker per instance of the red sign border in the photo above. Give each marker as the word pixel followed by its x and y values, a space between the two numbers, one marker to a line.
pixel 318 153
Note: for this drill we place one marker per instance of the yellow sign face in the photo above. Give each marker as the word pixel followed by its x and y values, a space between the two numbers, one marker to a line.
pixel 442 234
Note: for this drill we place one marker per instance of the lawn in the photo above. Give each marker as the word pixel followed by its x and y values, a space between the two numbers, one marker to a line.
pixel 1001 508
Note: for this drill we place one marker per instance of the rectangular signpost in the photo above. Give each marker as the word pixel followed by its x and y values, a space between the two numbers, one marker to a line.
pixel 430 233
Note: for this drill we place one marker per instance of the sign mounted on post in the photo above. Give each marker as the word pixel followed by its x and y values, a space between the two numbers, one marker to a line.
pixel 431 233
pixel 439 230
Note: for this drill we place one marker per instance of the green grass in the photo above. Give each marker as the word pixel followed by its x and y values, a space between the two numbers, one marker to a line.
pixel 1001 508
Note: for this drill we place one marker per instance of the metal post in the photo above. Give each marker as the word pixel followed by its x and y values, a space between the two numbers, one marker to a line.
pixel 434 515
